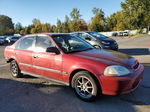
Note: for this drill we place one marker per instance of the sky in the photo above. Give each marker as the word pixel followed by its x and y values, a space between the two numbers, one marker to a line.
pixel 24 11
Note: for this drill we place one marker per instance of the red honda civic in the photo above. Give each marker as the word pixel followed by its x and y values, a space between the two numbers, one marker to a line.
pixel 70 60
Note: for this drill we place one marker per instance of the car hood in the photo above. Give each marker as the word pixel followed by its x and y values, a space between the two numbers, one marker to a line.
pixel 106 56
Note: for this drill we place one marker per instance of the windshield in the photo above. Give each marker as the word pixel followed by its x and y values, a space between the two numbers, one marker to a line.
pixel 98 35
pixel 70 43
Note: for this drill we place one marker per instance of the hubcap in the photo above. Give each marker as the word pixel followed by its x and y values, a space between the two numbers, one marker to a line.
pixel 14 69
pixel 84 87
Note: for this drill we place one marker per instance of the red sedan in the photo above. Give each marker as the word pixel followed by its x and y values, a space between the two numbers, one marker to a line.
pixel 72 61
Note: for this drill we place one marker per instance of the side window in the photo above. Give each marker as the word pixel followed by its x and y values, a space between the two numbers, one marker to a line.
pixel 26 44
pixel 84 35
pixel 76 34
pixel 80 35
pixel 42 43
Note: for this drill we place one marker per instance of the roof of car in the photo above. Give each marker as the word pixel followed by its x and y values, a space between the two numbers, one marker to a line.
pixel 50 34
pixel 82 31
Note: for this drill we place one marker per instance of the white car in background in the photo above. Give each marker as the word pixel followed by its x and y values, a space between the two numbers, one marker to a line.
pixel 148 32
pixel 125 33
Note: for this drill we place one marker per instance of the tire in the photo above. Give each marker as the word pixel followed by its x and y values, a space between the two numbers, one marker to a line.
pixel 15 70
pixel 85 87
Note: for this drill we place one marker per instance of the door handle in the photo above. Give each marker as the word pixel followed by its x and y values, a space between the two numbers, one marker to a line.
pixel 35 56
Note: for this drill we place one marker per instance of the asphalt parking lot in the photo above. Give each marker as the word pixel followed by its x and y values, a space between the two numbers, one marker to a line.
pixel 30 94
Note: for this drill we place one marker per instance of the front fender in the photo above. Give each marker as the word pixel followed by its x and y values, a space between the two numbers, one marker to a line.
pixel 89 67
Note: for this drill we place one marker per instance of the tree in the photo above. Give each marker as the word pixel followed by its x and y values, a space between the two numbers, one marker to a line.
pixel 98 21
pixel 6 25
pixel 27 30
pixel 59 26
pixel 54 28
pixel 18 27
pixel 66 25
pixel 136 13
pixel 36 21
pixel 46 27
pixel 75 14
pixel 116 22
pixel 97 10
pixel 37 26
pixel 82 25
pixel 77 24
pixel 33 30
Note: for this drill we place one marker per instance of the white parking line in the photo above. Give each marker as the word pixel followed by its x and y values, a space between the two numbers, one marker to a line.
pixel 4 65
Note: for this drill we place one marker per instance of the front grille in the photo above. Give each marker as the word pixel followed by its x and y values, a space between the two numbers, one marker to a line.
pixel 136 65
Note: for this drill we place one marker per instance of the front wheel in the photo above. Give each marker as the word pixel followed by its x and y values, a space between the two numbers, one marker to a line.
pixel 84 86
pixel 14 69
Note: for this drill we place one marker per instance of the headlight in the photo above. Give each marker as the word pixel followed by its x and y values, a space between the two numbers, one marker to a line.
pixel 116 70
pixel 103 42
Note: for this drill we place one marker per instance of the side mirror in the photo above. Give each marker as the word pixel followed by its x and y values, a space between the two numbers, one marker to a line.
pixel 87 38
pixel 53 50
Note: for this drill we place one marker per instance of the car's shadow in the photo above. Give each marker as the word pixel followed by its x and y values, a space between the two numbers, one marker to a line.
pixel 136 51
pixel 23 95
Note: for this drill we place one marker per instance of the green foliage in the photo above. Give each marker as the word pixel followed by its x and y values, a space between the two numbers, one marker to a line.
pixel 116 22
pixel 98 21
pixel 6 25
pixel 59 26
pixel 66 25
pixel 136 13
pixel 97 10
pixel 79 25
pixel 18 27
pixel 75 14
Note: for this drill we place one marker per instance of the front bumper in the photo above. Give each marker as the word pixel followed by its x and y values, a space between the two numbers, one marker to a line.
pixel 121 85
pixel 112 47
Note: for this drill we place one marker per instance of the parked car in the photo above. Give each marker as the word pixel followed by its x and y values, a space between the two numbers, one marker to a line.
pixel 68 59
pixel 7 39
pixel 120 33
pixel 125 33
pixel 97 40
pixel 2 40
pixel 12 39
pixel 115 34
pixel 148 32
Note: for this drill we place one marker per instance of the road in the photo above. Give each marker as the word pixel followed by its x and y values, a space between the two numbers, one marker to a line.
pixel 30 94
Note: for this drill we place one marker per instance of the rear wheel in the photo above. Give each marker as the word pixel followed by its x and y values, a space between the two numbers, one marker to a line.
pixel 84 86
pixel 14 69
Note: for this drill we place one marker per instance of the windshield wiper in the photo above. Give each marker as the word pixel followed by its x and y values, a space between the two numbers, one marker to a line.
pixel 87 49
pixel 74 51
